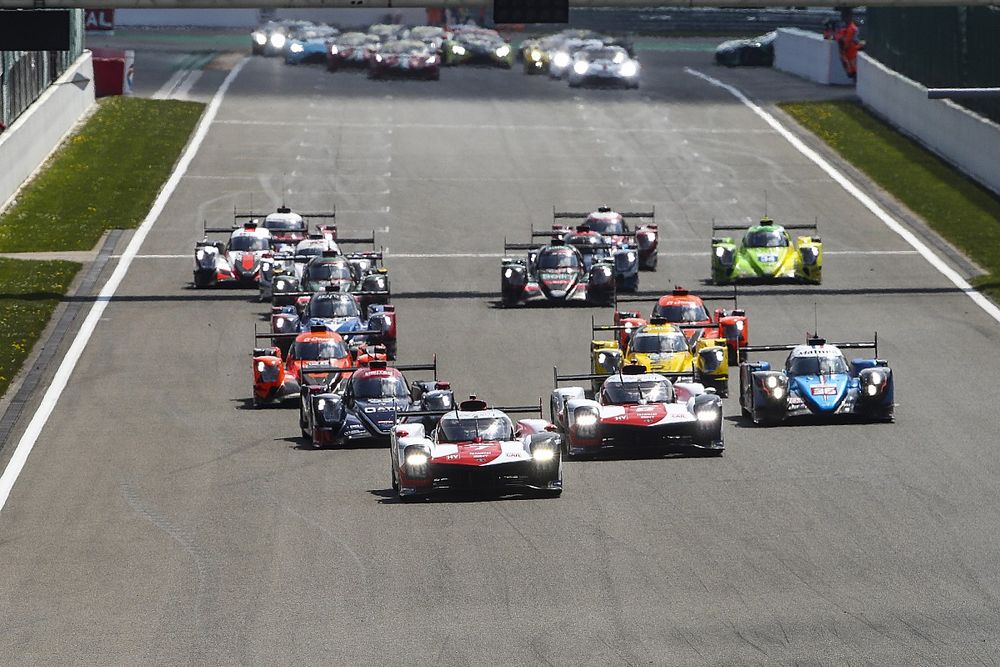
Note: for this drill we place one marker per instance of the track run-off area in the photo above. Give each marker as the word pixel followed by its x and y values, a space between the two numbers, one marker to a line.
pixel 160 519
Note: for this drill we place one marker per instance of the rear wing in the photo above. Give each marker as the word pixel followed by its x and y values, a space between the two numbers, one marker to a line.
pixel 357 240
pixel 850 345
pixel 508 409
pixel 594 327
pixel 296 295
pixel 577 377
pixel 293 335
pixel 328 215
pixel 520 246
pixel 325 369
pixel 744 227
pixel 707 296
pixel 556 215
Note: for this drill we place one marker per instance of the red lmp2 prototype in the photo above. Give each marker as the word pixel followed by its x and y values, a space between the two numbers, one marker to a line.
pixel 688 311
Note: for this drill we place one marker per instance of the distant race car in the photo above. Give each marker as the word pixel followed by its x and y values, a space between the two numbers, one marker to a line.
pixel 637 408
pixel 431 35
pixel 608 65
pixel 562 58
pixel 477 47
pixel 278 377
pixel 309 45
pixel 338 311
pixel 351 49
pixel 388 32
pixel 288 227
pixel 405 58
pixel 366 406
pixel 236 262
pixel 595 249
pixel 554 273
pixel 766 254
pixel 662 347
pixel 614 225
pixel 270 38
pixel 752 51
pixel 688 311
pixel 475 448
pixel 817 381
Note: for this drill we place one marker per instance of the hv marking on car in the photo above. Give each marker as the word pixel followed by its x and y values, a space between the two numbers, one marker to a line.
pixel 892 223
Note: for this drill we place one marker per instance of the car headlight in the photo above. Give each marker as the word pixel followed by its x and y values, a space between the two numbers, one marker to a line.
pixel 321 404
pixel 871 389
pixel 508 273
pixel 543 454
pixel 706 416
pixel 619 58
pixel 720 251
pixel 586 419
pixel 778 392
pixel 458 50
pixel 261 366
pixel 378 58
pixel 296 48
pixel 739 325
pixel 431 60
pixel 535 55
pixel 561 60
pixel 875 377
pixel 199 254
pixel 280 322
pixel 259 38
pixel 502 51
pixel 277 40
pixel 334 50
pixel 417 459
pixel 581 67
pixel 631 257
pixel 629 69
pixel 771 381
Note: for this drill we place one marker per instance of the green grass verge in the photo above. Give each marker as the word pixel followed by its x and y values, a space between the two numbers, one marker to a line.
pixel 29 292
pixel 105 176
pixel 956 207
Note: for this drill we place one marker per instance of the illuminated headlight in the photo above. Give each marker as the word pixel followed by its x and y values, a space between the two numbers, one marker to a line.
pixel 417 459
pixel 279 322
pixel 334 50
pixel 631 257
pixel 278 40
pixel 629 69
pixel 561 60
pixel 628 327
pixel 619 58
pixel 543 454
pixel 321 404
pixel 508 273
pixel 778 392
pixel 259 38
pixel 502 51
pixel 581 67
pixel 875 378
pixel 458 50
pixel 871 389
pixel 739 325
pixel 281 284
pixel 718 356
pixel 535 55
pixel 265 267
pixel 296 48
pixel 378 58
pixel 720 251
pixel 708 416
pixel 606 270
pixel 772 381
pixel 260 366
pixel 586 419
pixel 602 358
pixel 199 254
pixel 432 60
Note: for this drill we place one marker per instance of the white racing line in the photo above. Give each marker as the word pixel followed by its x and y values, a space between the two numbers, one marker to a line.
pixel 919 246
pixel 68 364
pixel 179 85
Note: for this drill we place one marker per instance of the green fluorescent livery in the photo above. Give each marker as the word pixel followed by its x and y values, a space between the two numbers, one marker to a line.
pixel 766 253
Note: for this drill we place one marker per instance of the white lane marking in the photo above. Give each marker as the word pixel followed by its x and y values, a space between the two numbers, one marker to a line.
pixel 184 89
pixel 68 364
pixel 171 83
pixel 988 306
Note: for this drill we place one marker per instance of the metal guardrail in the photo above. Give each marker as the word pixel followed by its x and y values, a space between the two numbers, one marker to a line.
pixel 24 75
pixel 666 20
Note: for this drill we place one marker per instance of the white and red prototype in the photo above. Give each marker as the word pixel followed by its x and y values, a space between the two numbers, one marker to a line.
pixel 237 261
pixel 613 225
pixel 475 448
pixel 638 408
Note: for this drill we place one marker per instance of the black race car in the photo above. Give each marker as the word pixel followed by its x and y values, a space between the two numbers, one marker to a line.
pixel 753 51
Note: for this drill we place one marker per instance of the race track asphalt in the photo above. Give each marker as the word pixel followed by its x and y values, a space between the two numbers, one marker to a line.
pixel 161 520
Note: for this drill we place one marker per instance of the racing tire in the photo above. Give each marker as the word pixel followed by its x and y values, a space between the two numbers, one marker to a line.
pixel 711 453
pixel 202 281
pixel 392 475
pixel 255 402
pixel 548 493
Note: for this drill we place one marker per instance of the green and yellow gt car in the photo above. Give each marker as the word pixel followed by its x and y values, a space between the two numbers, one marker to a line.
pixel 766 254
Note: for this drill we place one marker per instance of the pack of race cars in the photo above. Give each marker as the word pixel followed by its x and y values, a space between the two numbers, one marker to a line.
pixel 658 373
pixel 580 57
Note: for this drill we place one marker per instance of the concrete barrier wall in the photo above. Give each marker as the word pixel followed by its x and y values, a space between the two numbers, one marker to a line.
pixel 808 55
pixel 963 138
pixel 26 144
pixel 249 18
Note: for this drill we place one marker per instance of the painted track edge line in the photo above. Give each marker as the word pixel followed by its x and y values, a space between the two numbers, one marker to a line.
pixel 980 300
pixel 68 364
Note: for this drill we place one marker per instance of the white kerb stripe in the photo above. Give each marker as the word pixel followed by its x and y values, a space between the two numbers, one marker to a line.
pixel 988 306
pixel 51 397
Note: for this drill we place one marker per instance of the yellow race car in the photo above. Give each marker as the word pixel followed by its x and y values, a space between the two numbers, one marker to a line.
pixel 662 348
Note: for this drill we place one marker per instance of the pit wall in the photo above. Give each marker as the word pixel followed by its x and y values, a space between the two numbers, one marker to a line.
pixel 32 137
pixel 808 55
pixel 961 137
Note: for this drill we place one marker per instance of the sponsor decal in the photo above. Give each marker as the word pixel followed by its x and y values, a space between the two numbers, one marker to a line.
pixel 823 390
pixel 767 259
